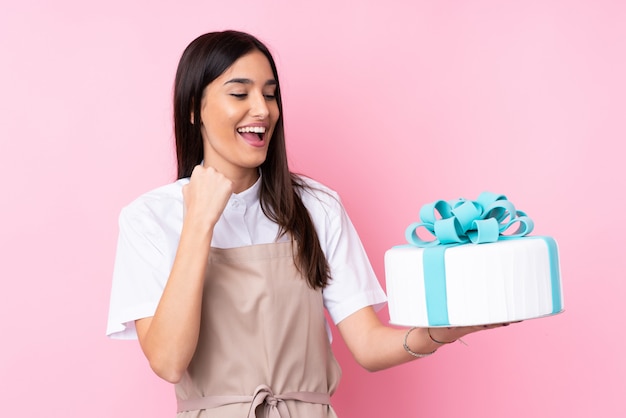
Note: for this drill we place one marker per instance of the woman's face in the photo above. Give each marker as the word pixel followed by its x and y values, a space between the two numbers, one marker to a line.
pixel 238 114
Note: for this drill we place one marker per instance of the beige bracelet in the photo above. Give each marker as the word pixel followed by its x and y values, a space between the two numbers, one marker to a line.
pixel 442 342
pixel 408 350
pixel 437 341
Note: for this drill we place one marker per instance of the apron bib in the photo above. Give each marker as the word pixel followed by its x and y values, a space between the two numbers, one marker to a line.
pixel 263 349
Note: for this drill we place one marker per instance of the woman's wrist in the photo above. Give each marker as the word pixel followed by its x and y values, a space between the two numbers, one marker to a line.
pixel 422 342
pixel 437 340
pixel 418 343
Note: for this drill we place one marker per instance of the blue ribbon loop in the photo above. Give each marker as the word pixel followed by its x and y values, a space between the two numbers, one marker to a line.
pixel 487 219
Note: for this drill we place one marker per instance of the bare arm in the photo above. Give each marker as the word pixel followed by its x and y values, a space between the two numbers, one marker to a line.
pixel 169 338
pixel 377 347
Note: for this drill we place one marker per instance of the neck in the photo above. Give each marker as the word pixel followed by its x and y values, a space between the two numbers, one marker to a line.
pixel 244 182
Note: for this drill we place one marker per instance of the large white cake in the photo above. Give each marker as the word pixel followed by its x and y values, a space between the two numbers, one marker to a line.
pixel 482 283
pixel 432 284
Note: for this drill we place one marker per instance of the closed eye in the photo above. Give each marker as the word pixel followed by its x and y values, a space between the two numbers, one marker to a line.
pixel 244 95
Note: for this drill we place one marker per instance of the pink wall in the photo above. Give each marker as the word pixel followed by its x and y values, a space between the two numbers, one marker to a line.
pixel 392 103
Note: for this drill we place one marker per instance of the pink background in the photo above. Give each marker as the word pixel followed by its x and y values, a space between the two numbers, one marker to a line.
pixel 392 103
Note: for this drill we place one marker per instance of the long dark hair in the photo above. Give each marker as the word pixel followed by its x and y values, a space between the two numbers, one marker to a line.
pixel 205 59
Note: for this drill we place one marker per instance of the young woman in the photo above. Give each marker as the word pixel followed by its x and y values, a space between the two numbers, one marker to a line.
pixel 224 275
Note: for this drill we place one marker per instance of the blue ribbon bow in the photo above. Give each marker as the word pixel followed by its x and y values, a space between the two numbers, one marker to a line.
pixel 460 221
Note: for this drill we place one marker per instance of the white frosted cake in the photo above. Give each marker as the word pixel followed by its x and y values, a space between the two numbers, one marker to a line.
pixel 456 284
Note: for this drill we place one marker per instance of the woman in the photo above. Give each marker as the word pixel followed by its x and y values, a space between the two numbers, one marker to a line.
pixel 245 333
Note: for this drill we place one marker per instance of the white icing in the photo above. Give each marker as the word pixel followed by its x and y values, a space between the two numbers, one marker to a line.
pixel 486 283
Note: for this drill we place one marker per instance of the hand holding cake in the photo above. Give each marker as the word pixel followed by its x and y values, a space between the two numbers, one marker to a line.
pixel 438 337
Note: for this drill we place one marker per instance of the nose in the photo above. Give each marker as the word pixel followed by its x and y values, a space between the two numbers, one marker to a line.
pixel 258 106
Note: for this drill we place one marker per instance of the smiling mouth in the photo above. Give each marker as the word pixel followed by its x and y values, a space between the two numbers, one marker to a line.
pixel 258 130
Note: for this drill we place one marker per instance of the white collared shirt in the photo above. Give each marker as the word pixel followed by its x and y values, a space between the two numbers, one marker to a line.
pixel 150 230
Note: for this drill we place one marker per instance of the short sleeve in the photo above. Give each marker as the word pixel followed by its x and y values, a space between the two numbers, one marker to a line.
pixel 353 283
pixel 142 264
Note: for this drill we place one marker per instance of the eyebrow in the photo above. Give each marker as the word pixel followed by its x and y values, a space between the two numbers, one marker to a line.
pixel 248 81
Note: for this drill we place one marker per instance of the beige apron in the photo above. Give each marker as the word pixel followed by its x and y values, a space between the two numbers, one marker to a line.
pixel 263 350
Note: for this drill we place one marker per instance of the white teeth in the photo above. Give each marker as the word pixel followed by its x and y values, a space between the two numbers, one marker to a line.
pixel 253 129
